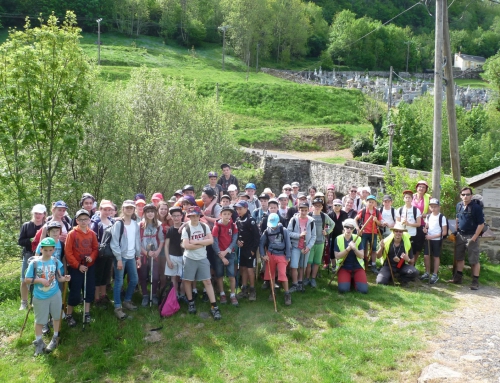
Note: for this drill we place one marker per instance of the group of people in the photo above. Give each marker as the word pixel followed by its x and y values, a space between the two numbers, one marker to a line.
pixel 230 233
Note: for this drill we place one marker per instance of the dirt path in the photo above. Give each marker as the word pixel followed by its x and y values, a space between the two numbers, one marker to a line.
pixel 468 347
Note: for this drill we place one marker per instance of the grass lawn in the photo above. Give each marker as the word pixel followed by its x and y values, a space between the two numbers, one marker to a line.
pixel 322 337
pixel 473 83
pixel 333 160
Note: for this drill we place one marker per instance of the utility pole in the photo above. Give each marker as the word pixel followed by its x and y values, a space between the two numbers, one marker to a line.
pixel 438 101
pixel 407 54
pixel 450 102
pixel 99 41
pixel 224 28
pixel 389 154
pixel 257 62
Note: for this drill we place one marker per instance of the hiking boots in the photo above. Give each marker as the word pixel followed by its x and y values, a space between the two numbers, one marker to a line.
pixel 233 300
pixel 40 347
pixel 294 288
pixel 87 319
pixel 424 276
pixel 223 299
pixel 216 313
pixel 434 278
pixel 129 305
pixel 120 314
pixel 475 284
pixel 313 283
pixel 288 299
pixel 457 279
pixel 252 295
pixel 24 305
pixel 204 297
pixel 52 345
pixel 145 301
pixel 191 308
pixel 70 320
pixel 243 293
pixel 265 286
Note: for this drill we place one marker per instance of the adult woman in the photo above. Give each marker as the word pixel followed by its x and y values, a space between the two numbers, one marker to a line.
pixel 349 254
pixel 349 207
pixel 127 257
pixel 330 197
pixel 102 265
pixel 338 216
pixel 26 235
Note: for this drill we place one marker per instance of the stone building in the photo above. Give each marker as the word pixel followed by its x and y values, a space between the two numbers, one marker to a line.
pixel 487 184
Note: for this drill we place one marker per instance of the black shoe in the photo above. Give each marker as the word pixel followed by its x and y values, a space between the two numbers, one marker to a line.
pixel 195 295
pixel 204 297
pixel 216 313
pixel 191 308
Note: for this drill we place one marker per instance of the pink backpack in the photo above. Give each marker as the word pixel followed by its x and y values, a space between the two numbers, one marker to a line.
pixel 170 305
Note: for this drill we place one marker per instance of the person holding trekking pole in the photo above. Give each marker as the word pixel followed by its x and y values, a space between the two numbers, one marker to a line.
pixel 369 234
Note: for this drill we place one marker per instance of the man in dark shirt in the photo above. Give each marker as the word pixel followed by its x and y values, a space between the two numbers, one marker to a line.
pixel 470 223
pixel 227 178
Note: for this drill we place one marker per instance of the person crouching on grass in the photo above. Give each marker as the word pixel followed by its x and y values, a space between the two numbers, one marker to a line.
pixel 47 295
pixel 196 236
pixel 276 240
pixel 81 252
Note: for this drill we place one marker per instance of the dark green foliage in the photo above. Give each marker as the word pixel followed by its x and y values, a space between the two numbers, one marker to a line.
pixel 361 144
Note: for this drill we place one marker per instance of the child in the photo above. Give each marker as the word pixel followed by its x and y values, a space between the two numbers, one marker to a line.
pixel 173 249
pixel 409 216
pixel 212 184
pixel 276 241
pixel 81 252
pixel 435 229
pixel 388 216
pixel 195 237
pixel 165 221
pixel 43 272
pixel 253 201
pixel 225 234
pixel 151 244
pixel 370 232
pixel 259 213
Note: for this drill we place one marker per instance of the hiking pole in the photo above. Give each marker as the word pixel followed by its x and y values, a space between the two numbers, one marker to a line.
pixel 84 297
pixel 32 286
pixel 65 288
pixel 360 233
pixel 150 247
pixel 271 279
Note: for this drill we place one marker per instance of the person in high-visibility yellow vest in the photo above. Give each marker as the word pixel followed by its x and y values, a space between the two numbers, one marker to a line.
pixel 396 249
pixel 348 249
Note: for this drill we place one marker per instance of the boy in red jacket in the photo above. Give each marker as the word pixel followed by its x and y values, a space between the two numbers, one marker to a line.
pixel 81 252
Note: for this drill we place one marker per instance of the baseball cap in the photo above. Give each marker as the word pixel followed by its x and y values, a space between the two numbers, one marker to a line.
pixel 264 196
pixel 227 208
pixel 128 203
pixel 157 196
pixel 371 196
pixel 241 204
pixel 106 203
pixel 366 189
pixel 250 186
pixel 301 195
pixel 195 210
pixel 273 200
pixel 212 174
pixel 243 194
pixel 319 194
pixel 139 196
pixel 318 200
pixel 273 220
pixel 179 192
pixel 174 209
pixel 232 187
pixel 187 187
pixel 54 224
pixel 286 186
pixel 39 208
pixel 303 204
pixel 82 212
pixel 226 197
pixel 282 195
pixel 209 192
pixel 60 204
pixel 387 198
pixel 189 199
pixel 434 201
pixel 295 184
pixel 407 192
pixel 140 202
pixel 337 202
pixel 172 199
pixel 48 242
pixel 330 187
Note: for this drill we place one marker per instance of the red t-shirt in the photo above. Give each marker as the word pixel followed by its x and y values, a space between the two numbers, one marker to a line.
pixel 224 233
pixel 371 227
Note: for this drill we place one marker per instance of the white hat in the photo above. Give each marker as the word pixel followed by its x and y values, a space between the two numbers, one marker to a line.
pixel 365 188
pixel 232 187
pixel 39 208
pixel 350 222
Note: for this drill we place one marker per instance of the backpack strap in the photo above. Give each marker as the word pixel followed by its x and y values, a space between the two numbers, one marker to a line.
pixel 393 215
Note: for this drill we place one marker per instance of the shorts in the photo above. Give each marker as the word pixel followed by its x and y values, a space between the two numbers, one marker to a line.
pixel 316 254
pixel 211 256
pixel 461 247
pixel 178 265
pixel 276 262
pixel 418 240
pixel 247 259
pixel 366 239
pixel 298 259
pixel 102 269
pixel 435 248
pixel 219 266
pixel 26 255
pixel 44 307
pixel 196 270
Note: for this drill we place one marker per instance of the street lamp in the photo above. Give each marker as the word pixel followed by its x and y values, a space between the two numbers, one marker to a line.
pixel 99 41
pixel 389 154
pixel 223 28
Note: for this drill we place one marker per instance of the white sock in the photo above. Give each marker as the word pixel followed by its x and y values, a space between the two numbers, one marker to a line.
pixel 56 333
pixel 232 295
pixel 195 291
pixel 222 293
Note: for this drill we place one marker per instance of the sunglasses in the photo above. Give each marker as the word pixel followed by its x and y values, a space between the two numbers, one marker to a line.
pixel 287 189
pixel 397 231
pixel 337 205
pixel 349 227
pixel 354 191
pixel 465 194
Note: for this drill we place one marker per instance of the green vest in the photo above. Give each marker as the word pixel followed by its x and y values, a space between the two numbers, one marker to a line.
pixel 341 245
pixel 427 199
pixel 388 242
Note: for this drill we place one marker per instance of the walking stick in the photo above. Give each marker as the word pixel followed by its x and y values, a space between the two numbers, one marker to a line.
pixel 271 279
pixel 388 261
pixel 84 297
pixel 32 286
pixel 371 243
pixel 62 306
pixel 343 259
pixel 150 247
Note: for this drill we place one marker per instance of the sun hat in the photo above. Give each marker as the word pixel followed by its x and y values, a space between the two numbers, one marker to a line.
pixel 399 226
pixel 422 182
pixel 188 187
pixel 39 208
pixel 337 202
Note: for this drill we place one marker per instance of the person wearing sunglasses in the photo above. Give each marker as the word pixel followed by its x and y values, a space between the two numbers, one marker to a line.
pixel 397 250
pixel 348 250
pixel 470 223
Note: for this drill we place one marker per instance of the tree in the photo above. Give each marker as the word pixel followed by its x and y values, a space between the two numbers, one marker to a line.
pixel 492 70
pixel 49 79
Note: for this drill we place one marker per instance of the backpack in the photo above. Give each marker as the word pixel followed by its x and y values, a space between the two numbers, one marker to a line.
pixel 414 212
pixel 294 220
pixel 392 212
pixel 141 230
pixel 188 231
pixel 323 218
pixel 477 200
pixel 364 215
pixel 38 236
pixel 440 217
pixel 169 304
pixel 105 245
pixel 274 235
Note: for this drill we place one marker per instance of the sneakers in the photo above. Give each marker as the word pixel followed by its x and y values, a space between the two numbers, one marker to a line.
pixel 52 345
pixel 243 293
pixel 195 295
pixel 475 284
pixel 288 299
pixel 204 297
pixel 120 314
pixel 39 346
pixel 216 313
pixel 434 278
pixel 88 319
pixel 129 305
pixel 70 320
pixel 45 329
pixel 24 305
pixel 424 276
pixel 145 301
pixel 234 301
pixel 457 279
pixel 155 300
pixel 373 269
pixel 191 308
pixel 306 282
pixel 265 286
pixel 294 288
pixel 313 283
pixel 183 299
pixel 223 299
pixel 252 295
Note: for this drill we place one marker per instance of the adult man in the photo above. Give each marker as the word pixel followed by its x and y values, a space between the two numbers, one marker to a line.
pixel 212 184
pixel 353 193
pixel 470 223
pixel 227 178
pixel 295 192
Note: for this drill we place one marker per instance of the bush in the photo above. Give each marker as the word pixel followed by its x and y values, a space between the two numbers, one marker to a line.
pixel 361 144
